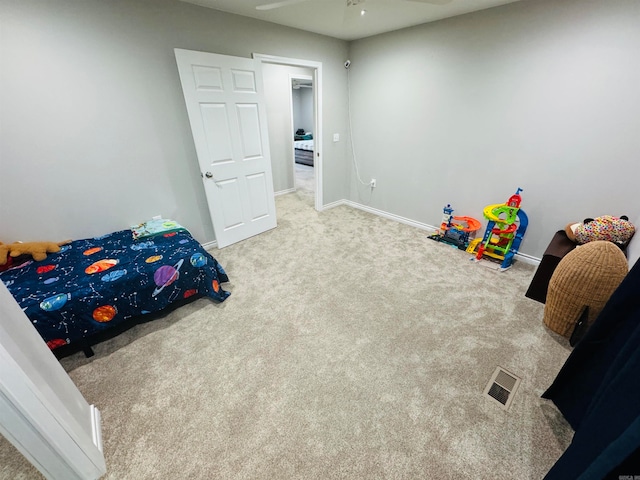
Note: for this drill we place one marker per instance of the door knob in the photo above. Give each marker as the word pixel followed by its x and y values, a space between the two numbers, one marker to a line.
pixel 208 175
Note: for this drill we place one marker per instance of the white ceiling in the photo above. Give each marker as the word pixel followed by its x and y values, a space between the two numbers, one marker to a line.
pixel 335 19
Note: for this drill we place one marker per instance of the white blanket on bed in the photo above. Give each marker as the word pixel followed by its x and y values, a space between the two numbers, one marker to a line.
pixel 303 144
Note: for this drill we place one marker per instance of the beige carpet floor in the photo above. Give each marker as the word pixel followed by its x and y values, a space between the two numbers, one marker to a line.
pixel 305 178
pixel 352 347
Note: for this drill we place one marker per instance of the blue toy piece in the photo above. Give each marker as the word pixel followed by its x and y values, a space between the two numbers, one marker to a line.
pixel 508 258
pixel 447 215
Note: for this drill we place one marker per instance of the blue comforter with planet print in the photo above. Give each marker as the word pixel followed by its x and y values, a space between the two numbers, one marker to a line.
pixel 96 283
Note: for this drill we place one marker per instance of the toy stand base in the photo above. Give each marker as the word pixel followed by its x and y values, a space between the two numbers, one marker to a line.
pixel 448 241
pixel 492 264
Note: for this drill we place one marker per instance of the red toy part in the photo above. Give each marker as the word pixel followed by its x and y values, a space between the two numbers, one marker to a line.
pixel 7 265
pixel 510 229
pixel 515 199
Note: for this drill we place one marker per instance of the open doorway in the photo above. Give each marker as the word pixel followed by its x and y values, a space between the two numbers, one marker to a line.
pixel 303 122
pixel 311 71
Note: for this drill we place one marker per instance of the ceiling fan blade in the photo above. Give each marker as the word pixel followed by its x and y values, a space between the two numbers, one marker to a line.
pixel 432 2
pixel 352 12
pixel 283 3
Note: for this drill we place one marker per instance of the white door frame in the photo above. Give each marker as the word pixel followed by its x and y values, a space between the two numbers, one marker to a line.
pixel 292 77
pixel 317 107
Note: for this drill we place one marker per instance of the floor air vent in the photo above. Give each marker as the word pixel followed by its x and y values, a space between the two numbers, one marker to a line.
pixel 502 387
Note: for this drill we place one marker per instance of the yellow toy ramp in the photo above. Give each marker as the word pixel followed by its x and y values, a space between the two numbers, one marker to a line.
pixel 492 213
pixel 488 211
pixel 473 245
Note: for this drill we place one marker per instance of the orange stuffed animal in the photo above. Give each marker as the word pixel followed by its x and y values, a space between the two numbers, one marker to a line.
pixel 38 250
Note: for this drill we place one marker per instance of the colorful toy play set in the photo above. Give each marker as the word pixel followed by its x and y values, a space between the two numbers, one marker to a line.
pixel 456 231
pixel 506 226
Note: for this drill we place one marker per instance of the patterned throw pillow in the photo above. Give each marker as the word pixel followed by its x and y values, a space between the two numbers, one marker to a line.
pixel 612 229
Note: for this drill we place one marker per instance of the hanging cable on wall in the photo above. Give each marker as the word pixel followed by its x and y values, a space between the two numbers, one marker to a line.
pixel 347 64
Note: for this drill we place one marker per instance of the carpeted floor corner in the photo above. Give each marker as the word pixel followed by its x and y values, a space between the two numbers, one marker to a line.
pixel 352 347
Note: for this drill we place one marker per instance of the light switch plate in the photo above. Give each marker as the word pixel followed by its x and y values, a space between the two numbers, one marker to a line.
pixel 336 137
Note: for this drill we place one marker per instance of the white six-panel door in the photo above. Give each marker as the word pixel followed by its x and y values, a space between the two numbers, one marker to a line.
pixel 225 103
pixel 42 412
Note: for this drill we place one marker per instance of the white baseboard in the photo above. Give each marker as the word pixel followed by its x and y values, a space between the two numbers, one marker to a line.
pixel 331 205
pixel 284 192
pixel 210 245
pixel 531 260
pixel 391 216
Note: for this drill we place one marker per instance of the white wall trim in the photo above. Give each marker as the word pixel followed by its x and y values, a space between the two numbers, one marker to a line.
pixel 335 204
pixel 531 260
pixel 392 216
pixel 210 245
pixel 284 192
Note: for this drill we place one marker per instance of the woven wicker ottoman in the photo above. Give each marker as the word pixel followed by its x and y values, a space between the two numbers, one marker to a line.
pixel 585 277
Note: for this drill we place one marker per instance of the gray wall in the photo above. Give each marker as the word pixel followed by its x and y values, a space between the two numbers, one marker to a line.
pixel 541 95
pixel 94 132
pixel 303 109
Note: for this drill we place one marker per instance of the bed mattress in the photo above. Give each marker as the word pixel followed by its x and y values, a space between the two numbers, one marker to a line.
pixel 94 284
pixel 303 145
